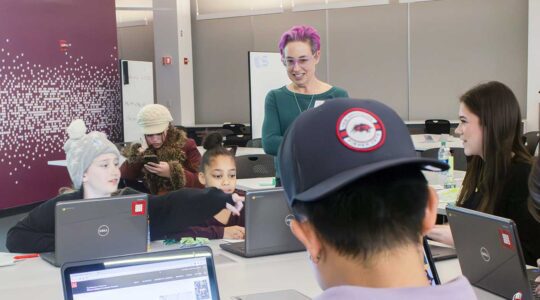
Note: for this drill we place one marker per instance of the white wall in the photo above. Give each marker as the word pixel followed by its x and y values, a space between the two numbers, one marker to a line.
pixel 533 76
pixel 220 49
pixel 172 37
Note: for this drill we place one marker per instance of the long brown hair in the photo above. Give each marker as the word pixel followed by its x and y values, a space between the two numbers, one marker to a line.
pixel 500 118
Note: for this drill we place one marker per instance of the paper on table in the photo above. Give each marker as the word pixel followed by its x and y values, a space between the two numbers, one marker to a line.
pixel 6 259
pixel 448 196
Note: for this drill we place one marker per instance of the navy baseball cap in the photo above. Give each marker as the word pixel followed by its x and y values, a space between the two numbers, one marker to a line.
pixel 340 141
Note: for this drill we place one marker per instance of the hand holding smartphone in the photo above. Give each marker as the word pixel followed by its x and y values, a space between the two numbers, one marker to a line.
pixel 151 158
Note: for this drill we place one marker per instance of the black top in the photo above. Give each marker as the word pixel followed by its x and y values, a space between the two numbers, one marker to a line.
pixel 168 214
pixel 513 205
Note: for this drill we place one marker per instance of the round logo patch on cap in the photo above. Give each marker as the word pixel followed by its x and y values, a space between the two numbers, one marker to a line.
pixel 360 130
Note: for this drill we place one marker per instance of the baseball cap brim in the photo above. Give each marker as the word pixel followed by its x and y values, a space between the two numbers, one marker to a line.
pixel 340 180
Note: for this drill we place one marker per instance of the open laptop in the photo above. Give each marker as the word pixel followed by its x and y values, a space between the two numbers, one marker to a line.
pixel 94 228
pixel 442 253
pixel 185 274
pixel 267 229
pixel 429 265
pixel 490 254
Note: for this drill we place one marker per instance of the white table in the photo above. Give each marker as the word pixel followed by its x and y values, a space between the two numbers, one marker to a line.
pixel 260 183
pixel 239 151
pixel 419 141
pixel 59 163
pixel 445 196
pixel 209 125
pixel 35 279
pixel 423 142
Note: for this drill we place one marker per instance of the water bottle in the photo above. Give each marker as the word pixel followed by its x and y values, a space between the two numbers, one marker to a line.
pixel 445 156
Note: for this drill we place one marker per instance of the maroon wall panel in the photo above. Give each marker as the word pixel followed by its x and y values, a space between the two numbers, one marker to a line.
pixel 58 62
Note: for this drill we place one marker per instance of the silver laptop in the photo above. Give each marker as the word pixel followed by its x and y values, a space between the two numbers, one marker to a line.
pixel 490 254
pixel 95 228
pixel 181 274
pixel 267 230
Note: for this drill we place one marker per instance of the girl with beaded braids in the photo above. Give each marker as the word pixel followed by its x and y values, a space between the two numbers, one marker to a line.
pixel 300 49
pixel 93 165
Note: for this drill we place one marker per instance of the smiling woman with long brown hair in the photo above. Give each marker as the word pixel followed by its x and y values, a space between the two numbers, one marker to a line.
pixel 499 164
pixel 490 127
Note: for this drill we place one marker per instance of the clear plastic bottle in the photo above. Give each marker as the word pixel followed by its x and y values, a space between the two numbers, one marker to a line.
pixel 447 177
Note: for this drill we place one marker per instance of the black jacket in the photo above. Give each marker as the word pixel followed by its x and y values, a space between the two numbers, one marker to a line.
pixel 168 214
pixel 513 205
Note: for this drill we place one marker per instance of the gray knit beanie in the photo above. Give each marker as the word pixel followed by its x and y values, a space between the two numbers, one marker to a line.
pixel 81 150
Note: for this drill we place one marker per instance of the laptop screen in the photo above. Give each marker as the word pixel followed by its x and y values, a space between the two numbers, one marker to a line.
pixel 169 275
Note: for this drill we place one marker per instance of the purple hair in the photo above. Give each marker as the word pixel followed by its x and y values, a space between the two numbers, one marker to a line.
pixel 302 33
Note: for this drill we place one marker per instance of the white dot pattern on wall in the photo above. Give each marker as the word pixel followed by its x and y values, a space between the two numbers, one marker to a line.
pixel 38 102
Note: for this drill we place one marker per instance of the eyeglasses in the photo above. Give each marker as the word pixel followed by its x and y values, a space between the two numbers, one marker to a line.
pixel 290 62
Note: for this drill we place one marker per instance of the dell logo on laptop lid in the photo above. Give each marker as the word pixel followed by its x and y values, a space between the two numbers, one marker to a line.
pixel 103 230
pixel 484 253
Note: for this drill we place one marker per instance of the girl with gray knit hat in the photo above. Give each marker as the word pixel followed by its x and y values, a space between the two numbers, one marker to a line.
pixel 92 161
pixel 93 165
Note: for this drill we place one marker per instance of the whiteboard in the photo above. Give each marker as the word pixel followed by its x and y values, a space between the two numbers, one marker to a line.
pixel 137 92
pixel 266 72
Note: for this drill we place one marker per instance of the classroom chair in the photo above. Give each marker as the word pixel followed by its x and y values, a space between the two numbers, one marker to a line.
pixel 531 140
pixel 254 143
pixel 239 140
pixel 437 126
pixel 460 160
pixel 235 128
pixel 255 165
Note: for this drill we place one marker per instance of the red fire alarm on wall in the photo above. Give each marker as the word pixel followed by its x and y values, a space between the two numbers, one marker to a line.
pixel 64 45
pixel 186 60
pixel 166 60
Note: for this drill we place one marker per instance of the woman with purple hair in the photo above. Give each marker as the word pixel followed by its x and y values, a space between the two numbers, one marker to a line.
pixel 300 49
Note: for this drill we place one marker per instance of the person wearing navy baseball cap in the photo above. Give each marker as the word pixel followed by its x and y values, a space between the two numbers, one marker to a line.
pixel 362 205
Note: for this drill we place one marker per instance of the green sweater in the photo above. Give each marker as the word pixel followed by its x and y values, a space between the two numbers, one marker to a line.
pixel 280 110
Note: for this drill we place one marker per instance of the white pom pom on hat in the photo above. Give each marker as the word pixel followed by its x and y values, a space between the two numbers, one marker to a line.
pixel 77 129
pixel 81 149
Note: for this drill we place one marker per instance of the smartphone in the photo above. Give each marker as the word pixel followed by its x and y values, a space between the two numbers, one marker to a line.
pixel 151 158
